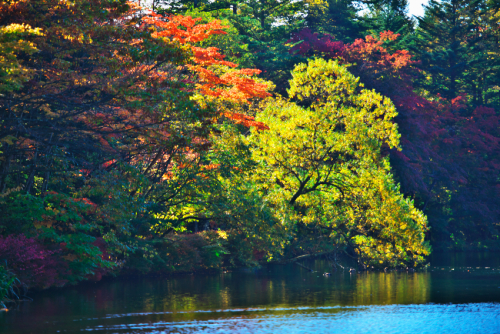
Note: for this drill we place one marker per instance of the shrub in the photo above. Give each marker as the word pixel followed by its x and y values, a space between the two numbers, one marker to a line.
pixel 32 263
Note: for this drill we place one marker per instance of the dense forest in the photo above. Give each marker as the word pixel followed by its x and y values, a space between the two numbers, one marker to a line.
pixel 192 135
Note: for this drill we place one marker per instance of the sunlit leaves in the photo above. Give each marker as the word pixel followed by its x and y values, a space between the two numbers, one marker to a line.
pixel 320 164
pixel 13 40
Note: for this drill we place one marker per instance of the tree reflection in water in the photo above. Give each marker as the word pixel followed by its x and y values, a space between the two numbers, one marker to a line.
pixel 273 298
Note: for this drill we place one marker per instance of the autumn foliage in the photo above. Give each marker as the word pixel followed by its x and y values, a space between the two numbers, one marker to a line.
pixel 133 141
pixel 34 264
pixel 448 146
pixel 234 85
pixel 124 96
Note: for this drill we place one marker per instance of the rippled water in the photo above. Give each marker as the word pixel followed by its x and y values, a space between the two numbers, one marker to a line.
pixel 458 294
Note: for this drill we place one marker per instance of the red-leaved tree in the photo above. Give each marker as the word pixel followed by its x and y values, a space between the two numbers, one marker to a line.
pixel 32 263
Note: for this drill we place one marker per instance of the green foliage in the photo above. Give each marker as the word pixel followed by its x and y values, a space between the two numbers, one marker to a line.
pixel 8 283
pixel 256 35
pixel 266 31
pixel 339 18
pixel 20 212
pixel 455 41
pixel 231 44
pixel 392 16
pixel 179 253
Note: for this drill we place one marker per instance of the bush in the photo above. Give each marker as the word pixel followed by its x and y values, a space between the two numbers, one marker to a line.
pixel 31 262
pixel 179 253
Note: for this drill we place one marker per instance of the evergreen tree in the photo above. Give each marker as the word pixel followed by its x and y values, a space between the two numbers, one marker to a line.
pixel 491 80
pixel 339 18
pixel 446 45
pixel 391 16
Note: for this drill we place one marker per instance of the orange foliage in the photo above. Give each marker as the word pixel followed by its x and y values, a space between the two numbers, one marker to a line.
pixel 236 86
pixel 192 32
pixel 246 120
pixel 372 52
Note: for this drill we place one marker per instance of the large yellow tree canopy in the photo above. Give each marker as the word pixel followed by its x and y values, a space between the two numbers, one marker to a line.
pixel 321 165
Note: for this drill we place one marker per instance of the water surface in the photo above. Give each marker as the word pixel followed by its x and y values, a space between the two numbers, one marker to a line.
pixel 458 294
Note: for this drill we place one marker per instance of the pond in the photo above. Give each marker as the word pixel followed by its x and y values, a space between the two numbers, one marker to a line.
pixel 459 293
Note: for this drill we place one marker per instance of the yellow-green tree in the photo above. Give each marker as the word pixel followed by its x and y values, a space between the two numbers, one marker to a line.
pixel 321 166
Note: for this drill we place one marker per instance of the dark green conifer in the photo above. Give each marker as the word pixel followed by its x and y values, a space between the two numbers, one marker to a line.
pixel 447 45
pixel 339 18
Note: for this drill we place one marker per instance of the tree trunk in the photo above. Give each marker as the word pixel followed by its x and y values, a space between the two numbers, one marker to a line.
pixel 480 91
pixel 31 177
pixel 4 170
pixel 45 184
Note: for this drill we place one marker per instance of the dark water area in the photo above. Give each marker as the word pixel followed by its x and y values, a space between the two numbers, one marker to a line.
pixel 459 293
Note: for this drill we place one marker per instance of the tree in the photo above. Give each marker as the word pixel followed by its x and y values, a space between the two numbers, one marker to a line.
pixel 446 44
pixel 339 18
pixel 483 78
pixel 320 166
pixel 449 162
pixel 105 125
pixel 392 16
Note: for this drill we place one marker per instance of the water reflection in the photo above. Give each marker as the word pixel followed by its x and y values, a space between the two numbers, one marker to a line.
pixel 265 298
pixel 392 288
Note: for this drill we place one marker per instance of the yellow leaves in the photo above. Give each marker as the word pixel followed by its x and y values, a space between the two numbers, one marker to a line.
pixel 80 38
pixel 7 192
pixel 12 41
pixel 48 111
pixel 19 29
pixel 66 4
pixel 44 223
pixel 222 234
pixel 9 139
pixel 317 7
pixel 322 160
pixel 70 257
